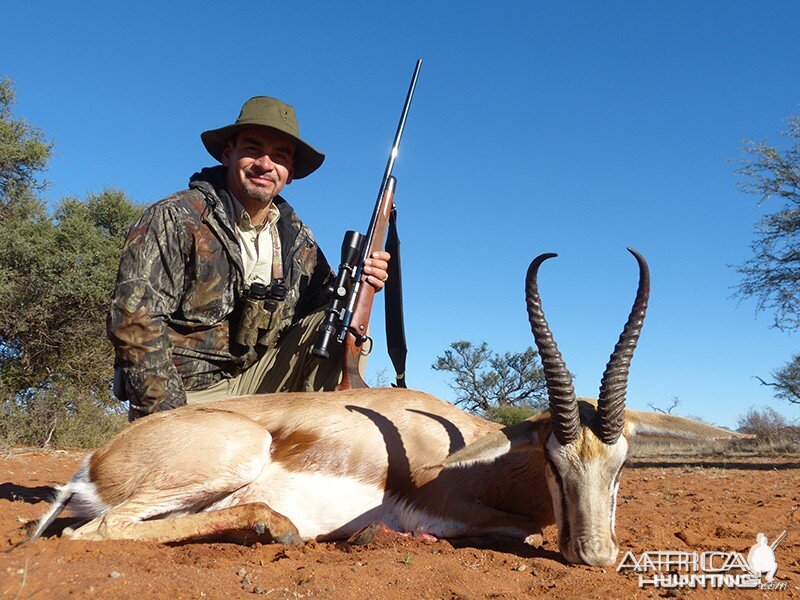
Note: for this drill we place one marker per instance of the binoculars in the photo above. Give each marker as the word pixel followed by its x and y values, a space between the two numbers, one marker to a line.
pixel 260 302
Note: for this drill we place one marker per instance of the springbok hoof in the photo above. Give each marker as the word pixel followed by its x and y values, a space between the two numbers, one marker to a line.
pixel 422 536
pixel 380 532
pixel 534 539
pixel 289 538
pixel 374 532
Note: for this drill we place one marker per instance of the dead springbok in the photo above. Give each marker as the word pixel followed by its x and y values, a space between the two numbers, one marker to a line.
pixel 322 466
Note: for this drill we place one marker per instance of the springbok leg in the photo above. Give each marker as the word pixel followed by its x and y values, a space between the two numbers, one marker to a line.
pixel 243 524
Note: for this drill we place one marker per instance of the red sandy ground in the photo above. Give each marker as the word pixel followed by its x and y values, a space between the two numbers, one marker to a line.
pixel 664 504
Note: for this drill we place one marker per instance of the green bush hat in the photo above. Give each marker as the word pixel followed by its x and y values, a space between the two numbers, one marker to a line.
pixel 262 111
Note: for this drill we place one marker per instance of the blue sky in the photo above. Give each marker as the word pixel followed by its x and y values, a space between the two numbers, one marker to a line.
pixel 572 127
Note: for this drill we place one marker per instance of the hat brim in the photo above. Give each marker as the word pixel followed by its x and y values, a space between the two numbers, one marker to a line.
pixel 306 159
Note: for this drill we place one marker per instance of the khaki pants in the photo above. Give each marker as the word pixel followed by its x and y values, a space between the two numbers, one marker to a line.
pixel 287 367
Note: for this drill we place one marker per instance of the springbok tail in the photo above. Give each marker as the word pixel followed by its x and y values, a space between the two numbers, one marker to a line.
pixel 62 499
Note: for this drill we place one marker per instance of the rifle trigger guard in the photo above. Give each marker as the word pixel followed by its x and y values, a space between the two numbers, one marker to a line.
pixel 360 339
pixel 368 352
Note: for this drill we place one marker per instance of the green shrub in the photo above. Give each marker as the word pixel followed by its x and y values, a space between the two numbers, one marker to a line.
pixel 509 414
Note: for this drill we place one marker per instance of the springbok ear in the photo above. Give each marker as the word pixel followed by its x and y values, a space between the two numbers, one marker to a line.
pixel 649 424
pixel 496 444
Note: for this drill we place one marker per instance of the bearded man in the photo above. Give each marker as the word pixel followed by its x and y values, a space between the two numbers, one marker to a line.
pixel 181 318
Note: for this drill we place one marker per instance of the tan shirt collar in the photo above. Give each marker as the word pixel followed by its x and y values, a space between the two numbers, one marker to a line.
pixel 243 217
pixel 257 244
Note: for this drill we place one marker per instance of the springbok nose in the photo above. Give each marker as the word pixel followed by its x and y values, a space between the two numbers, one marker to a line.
pixel 598 553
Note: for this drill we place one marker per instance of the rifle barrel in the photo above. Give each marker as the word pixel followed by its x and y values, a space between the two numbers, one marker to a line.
pixel 392 155
pixel 400 126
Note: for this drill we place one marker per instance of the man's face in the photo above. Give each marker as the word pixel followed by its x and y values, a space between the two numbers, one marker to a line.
pixel 260 164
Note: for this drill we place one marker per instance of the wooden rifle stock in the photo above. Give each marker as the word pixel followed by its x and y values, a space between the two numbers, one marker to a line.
pixel 359 325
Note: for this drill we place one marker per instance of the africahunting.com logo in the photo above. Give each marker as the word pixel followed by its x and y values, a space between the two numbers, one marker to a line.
pixel 709 569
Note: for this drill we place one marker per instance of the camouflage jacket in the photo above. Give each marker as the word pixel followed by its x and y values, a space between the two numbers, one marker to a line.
pixel 177 299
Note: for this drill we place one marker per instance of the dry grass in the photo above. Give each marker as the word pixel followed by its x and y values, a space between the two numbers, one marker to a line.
pixel 677 449
pixel 50 424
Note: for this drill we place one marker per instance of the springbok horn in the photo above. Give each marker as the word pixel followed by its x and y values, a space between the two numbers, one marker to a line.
pixel 563 404
pixel 611 403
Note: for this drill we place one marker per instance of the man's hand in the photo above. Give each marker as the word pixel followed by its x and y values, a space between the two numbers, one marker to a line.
pixel 376 268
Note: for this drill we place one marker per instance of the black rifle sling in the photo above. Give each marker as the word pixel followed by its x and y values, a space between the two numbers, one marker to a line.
pixel 393 301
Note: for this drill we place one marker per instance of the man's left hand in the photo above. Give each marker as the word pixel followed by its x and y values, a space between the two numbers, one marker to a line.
pixel 376 270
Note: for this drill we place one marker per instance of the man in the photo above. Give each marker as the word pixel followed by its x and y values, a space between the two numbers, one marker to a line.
pixel 183 321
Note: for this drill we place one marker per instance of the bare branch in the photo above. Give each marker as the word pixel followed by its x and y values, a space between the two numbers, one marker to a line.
pixel 772 275
pixel 669 409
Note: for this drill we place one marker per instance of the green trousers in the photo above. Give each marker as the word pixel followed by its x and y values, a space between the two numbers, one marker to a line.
pixel 287 367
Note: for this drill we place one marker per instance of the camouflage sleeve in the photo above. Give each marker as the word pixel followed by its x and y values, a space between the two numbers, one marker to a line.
pixel 148 289
pixel 317 293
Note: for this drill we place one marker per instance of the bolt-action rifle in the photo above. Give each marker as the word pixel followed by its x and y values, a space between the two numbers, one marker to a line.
pixel 347 317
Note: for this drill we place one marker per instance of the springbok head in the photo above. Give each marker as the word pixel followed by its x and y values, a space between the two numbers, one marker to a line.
pixel 586 449
pixel 584 443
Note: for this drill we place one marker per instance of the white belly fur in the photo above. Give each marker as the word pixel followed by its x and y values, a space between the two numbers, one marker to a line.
pixel 317 503
pixel 325 507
